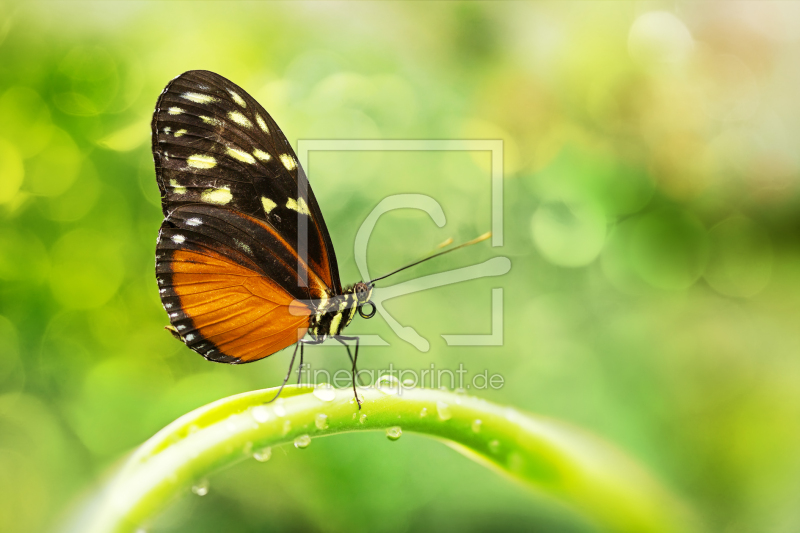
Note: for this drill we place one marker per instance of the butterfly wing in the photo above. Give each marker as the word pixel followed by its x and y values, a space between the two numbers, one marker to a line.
pixel 238 207
pixel 214 144
pixel 217 274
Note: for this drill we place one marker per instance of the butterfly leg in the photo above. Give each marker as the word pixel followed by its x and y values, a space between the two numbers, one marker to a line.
pixel 354 359
pixel 289 373
pixel 300 368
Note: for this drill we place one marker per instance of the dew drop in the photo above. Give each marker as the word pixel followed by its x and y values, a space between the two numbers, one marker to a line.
pixel 321 421
pixel 260 413
pixel 201 487
pixel 476 425
pixel 302 441
pixel 388 384
pixel 263 454
pixel 494 445
pixel 354 416
pixel 424 412
pixel 409 383
pixel 443 410
pixel 363 418
pixel 325 392
pixel 287 426
pixel 394 432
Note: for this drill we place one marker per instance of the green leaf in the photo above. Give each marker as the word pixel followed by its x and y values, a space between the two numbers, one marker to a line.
pixel 554 458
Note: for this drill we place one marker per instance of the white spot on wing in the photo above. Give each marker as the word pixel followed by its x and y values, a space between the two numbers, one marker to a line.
pixel 193 222
pixel 241 156
pixel 238 99
pixel 175 111
pixel 243 246
pixel 288 161
pixel 262 124
pixel 268 204
pixel 210 120
pixel 199 98
pixel 201 161
pixel 180 133
pixel 264 156
pixel 178 238
pixel 240 119
pixel 298 205
pixel 217 196
pixel 189 337
pixel 177 189
pixel 167 130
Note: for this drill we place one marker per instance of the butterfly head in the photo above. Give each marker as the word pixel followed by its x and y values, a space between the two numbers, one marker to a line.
pixel 363 292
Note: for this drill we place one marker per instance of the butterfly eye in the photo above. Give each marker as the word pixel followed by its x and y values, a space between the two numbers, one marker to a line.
pixel 367 315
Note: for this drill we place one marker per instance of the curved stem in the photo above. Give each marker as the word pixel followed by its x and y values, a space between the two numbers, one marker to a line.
pixel 558 460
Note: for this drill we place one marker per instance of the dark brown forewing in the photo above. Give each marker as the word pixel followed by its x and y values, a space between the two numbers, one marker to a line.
pixel 214 144
pixel 226 280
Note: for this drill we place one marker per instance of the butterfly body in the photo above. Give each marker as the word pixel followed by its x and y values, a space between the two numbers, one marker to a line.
pixel 336 313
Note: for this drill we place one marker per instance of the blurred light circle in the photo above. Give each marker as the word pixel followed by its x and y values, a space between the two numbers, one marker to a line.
pixel 87 81
pixel 659 39
pixel 78 200
pixel 569 234
pixel 12 371
pixel 12 171
pixel 116 403
pixel 24 481
pixel 87 269
pixel 730 87
pixel 23 257
pixel 25 120
pixel 615 261
pixel 669 249
pixel 53 171
pixel 740 258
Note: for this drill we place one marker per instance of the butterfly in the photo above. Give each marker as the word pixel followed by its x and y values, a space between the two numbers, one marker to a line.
pixel 244 261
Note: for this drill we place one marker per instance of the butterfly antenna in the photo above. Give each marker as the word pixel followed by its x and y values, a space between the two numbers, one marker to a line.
pixel 463 245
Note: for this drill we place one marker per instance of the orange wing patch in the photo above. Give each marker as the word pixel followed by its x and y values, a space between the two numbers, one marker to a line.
pixel 235 314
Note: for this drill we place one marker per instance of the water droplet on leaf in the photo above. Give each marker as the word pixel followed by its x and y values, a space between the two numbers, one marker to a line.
pixel 260 413
pixel 443 410
pixel 302 441
pixel 476 425
pixel 201 487
pixel 321 421
pixel 394 432
pixel 388 384
pixel 363 418
pixel 325 392
pixel 424 412
pixel 263 454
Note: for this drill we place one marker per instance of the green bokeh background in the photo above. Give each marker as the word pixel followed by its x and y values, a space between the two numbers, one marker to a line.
pixel 651 217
